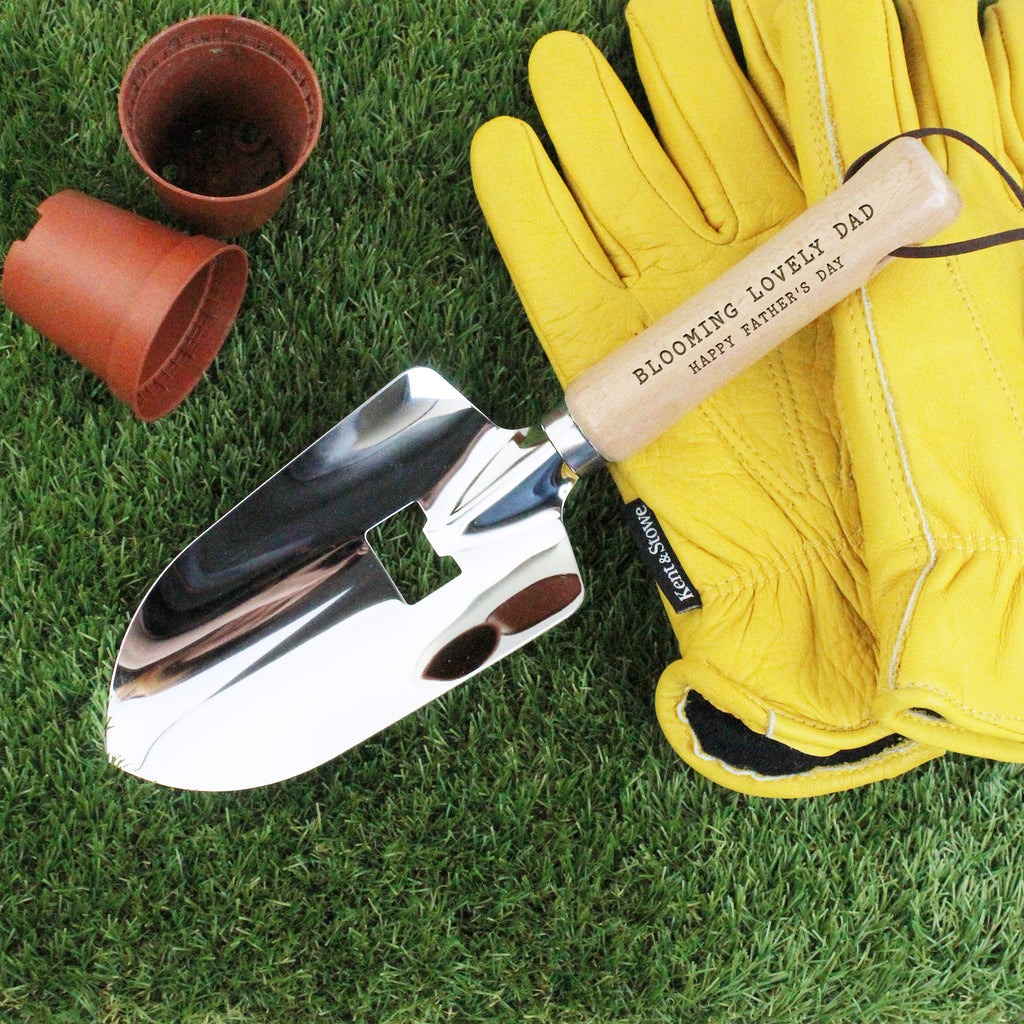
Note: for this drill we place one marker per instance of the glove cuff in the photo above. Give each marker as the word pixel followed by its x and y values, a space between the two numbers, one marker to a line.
pixel 721 748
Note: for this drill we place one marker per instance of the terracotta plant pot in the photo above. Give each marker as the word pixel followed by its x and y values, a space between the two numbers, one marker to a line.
pixel 221 112
pixel 143 307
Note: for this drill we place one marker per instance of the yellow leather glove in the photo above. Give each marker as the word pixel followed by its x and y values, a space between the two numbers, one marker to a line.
pixel 774 690
pixel 930 356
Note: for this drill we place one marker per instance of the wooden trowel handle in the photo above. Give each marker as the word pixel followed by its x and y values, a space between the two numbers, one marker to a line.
pixel 899 197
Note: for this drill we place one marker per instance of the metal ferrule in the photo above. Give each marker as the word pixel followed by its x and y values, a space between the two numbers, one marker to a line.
pixel 579 454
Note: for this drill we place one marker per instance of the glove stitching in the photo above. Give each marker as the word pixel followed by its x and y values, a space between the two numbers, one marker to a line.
pixel 817 83
pixel 990 716
pixel 1014 145
pixel 796 427
pixel 748 456
pixel 890 754
pixel 783 386
pixel 774 714
pixel 844 473
pixel 813 555
pixel 892 435
pixel 925 534
pixel 892 678
pixel 964 543
pixel 759 108
pixel 713 233
pixel 809 554
pixel 972 545
pixel 830 163
pixel 634 272
pixel 563 371
pixel 812 49
pixel 774 123
pixel 983 337
pixel 926 98
pixel 887 440
pixel 934 95
pixel 621 259
pixel 756 465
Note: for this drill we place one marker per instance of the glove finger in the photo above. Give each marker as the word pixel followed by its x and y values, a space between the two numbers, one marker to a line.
pixel 539 230
pixel 763 66
pixel 1004 49
pixel 637 204
pixel 847 86
pixel 719 136
pixel 955 92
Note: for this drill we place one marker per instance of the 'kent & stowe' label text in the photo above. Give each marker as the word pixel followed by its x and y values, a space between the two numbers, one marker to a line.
pixel 758 304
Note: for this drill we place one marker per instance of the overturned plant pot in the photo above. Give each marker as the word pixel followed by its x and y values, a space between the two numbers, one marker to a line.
pixel 143 307
pixel 221 112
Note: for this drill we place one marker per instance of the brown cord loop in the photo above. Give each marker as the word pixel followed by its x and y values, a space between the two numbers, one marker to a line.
pixel 924 252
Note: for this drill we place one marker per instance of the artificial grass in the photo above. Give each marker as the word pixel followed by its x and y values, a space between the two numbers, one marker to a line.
pixel 527 848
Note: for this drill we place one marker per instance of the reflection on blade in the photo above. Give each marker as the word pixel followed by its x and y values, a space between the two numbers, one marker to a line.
pixel 277 639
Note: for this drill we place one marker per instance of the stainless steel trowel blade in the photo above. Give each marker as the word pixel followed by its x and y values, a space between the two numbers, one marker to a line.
pixel 277 639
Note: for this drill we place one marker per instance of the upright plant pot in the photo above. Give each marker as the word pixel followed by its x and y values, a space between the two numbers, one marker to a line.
pixel 221 112
pixel 143 307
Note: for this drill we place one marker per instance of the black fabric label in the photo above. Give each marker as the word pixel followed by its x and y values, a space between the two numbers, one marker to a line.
pixel 659 558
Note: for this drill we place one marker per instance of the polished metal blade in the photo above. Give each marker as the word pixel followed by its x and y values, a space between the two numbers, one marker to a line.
pixel 278 640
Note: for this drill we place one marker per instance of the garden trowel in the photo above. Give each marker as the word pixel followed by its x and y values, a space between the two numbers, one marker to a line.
pixel 278 639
